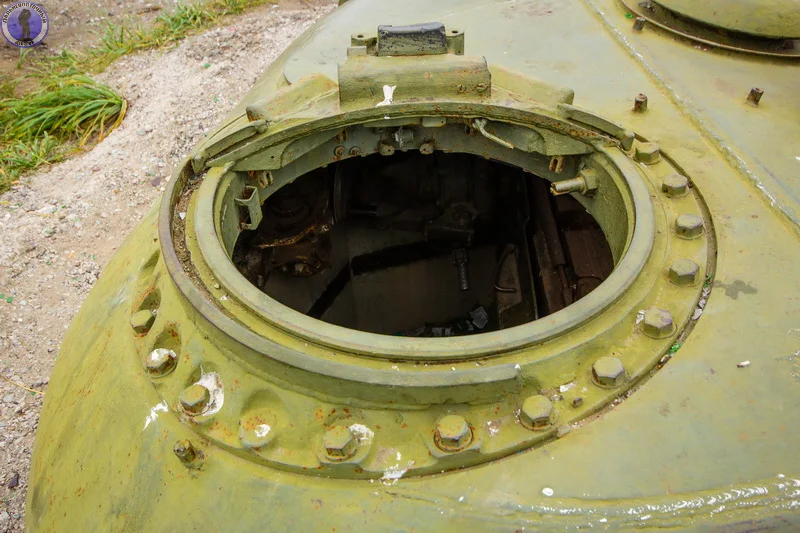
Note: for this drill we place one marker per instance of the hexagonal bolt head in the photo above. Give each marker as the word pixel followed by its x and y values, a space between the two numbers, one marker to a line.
pixel 639 23
pixel 689 226
pixel 684 272
pixel 142 321
pixel 452 433
pixel 194 399
pixel 339 443
pixel 608 372
pixel 648 153
pixel 426 148
pixel 161 362
pixel 657 323
pixel 386 149
pixel 536 412
pixel 675 186
pixel 355 151
pixel 339 151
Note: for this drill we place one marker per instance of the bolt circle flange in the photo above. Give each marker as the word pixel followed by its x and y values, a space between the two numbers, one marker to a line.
pixel 536 412
pixel 684 272
pixel 657 323
pixel 675 186
pixel 194 399
pixel 452 433
pixel 608 372
pixel 689 226
pixel 161 362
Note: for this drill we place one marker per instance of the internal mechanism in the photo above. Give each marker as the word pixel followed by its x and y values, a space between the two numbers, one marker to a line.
pixel 423 246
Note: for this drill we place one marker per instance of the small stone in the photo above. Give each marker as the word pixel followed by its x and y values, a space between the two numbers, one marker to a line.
pixel 8 398
pixel 4 517
pixel 14 481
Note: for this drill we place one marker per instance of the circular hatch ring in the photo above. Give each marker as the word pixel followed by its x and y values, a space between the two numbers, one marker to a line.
pixel 702 32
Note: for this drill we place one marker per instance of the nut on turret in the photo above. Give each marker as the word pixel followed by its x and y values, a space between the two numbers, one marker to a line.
pixel 608 372
pixel 194 399
pixel 648 153
pixel 536 412
pixel 688 226
pixel 339 443
pixel 657 323
pixel 452 433
pixel 161 362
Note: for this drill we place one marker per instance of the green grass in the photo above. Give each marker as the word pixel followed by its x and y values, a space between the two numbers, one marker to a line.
pixel 65 109
pixel 168 28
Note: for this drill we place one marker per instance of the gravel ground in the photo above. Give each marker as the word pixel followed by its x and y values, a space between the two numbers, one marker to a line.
pixel 60 227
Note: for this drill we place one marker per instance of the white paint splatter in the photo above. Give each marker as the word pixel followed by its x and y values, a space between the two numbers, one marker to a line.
pixel 213 383
pixel 640 316
pixel 547 491
pixel 493 427
pixel 262 430
pixel 743 364
pixel 388 94
pixel 362 433
pixel 393 473
pixel 154 413
pixel 565 388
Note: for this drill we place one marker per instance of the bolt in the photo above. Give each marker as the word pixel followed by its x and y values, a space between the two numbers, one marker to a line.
pixel 481 87
pixel 194 399
pixel 461 260
pixel 638 24
pixel 648 153
pixel 584 183
pixel 339 151
pixel 187 453
pixel 608 372
pixel 689 226
pixel 142 321
pixel 460 88
pixel 675 185
pixel 386 149
pixel 161 362
pixel 426 148
pixel 684 272
pixel 755 95
pixel 657 323
pixel 640 103
pixel 577 402
pixel 339 443
pixel 536 412
pixel 452 433
pixel 355 151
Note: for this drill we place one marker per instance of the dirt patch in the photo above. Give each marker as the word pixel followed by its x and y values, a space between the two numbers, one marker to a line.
pixel 61 226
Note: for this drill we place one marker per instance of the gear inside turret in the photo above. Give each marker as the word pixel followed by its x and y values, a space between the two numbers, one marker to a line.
pixel 423 245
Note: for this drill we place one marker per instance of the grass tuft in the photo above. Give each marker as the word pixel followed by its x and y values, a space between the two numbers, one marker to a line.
pixel 39 127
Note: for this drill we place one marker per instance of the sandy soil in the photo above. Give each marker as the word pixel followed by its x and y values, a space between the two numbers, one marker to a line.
pixel 60 227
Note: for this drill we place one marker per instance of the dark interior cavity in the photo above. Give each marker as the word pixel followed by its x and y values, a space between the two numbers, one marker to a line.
pixel 423 246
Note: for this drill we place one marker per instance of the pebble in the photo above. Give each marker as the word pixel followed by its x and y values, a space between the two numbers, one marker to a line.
pixel 14 481
pixel 8 398
pixel 4 517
